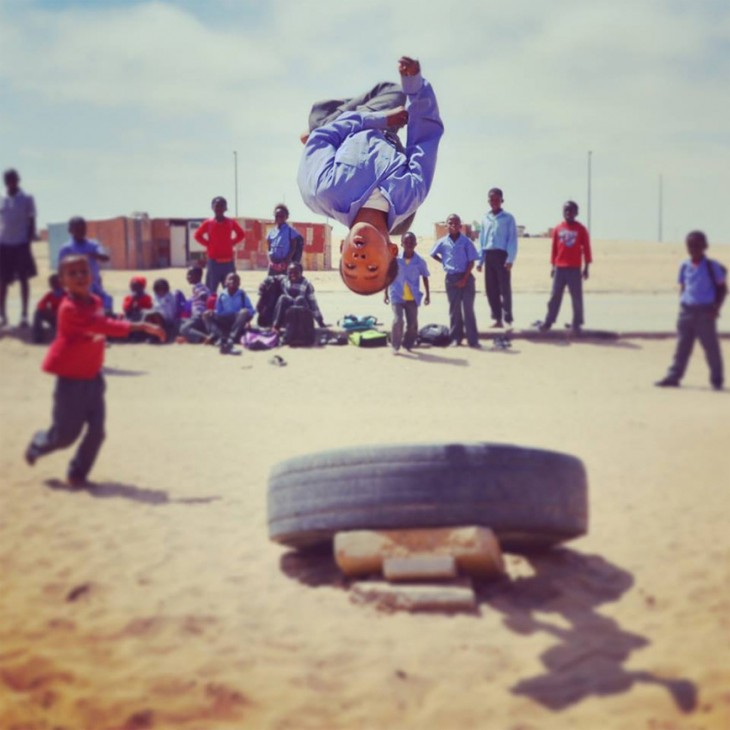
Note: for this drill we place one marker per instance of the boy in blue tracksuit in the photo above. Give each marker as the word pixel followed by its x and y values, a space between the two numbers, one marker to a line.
pixel 404 294
pixel 703 286
pixel 233 312
pixel 355 169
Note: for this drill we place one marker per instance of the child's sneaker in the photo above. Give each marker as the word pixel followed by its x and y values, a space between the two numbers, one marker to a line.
pixel 30 455
pixel 667 383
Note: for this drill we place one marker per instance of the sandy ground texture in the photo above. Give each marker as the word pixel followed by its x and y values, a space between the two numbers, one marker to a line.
pixel 155 599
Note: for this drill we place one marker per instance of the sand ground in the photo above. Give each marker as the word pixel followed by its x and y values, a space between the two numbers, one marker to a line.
pixel 155 600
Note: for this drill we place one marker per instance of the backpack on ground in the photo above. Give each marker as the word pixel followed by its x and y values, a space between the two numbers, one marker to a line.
pixel 352 323
pixel 299 330
pixel 269 292
pixel 368 338
pixel 437 335
pixel 258 339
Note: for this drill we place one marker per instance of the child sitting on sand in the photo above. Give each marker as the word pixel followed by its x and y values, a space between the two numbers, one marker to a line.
pixel 165 308
pixel 138 302
pixel 703 287
pixel 195 329
pixel 233 311
pixel 405 295
pixel 46 313
pixel 76 357
pixel 355 169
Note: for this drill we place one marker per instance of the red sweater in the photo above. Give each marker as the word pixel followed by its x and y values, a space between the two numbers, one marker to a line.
pixel 220 238
pixel 132 302
pixel 51 301
pixel 78 350
pixel 570 243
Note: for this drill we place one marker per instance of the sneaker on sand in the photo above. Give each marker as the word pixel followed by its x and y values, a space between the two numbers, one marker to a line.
pixel 667 383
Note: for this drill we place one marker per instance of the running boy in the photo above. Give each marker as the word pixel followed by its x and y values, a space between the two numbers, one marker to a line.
pixel 355 169
pixel 404 294
pixel 76 357
pixel 703 288
pixel 219 235
pixel 571 246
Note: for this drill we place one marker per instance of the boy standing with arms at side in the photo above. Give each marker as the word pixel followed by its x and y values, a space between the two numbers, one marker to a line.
pixel 17 232
pixel 703 287
pixel 498 243
pixel 456 253
pixel 219 235
pixel 404 294
pixel 571 245
pixel 76 357
pixel 285 243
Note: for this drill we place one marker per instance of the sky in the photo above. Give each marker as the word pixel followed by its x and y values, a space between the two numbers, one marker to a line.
pixel 109 107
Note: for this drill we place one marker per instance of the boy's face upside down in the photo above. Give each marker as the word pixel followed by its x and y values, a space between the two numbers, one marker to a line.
pixel 366 259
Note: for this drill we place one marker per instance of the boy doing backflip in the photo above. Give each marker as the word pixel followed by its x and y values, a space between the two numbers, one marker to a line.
pixel 76 357
pixel 703 287
pixel 355 169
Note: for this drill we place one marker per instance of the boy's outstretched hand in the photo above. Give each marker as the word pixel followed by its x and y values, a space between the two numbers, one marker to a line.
pixel 408 66
pixel 155 330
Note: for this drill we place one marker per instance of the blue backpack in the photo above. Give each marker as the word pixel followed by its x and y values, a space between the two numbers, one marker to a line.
pixel 351 323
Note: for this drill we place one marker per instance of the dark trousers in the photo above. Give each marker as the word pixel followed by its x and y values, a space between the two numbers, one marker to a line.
pixel 230 326
pixel 195 329
pixel 383 96
pixel 697 323
pixel 282 305
pixel 573 279
pixel 410 310
pixel 461 309
pixel 498 285
pixel 76 403
pixel 43 320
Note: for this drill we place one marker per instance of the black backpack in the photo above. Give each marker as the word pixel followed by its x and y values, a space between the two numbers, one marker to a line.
pixel 269 292
pixel 437 335
pixel 299 330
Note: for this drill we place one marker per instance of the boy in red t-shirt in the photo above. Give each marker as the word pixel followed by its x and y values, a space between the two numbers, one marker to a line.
pixel 571 245
pixel 76 357
pixel 219 235
pixel 46 311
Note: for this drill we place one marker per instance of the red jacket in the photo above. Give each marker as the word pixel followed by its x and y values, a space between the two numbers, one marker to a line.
pixel 570 243
pixel 51 301
pixel 132 302
pixel 219 238
pixel 78 350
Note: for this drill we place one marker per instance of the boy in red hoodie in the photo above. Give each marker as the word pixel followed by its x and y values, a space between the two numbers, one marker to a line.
pixel 219 235
pixel 571 246
pixel 76 357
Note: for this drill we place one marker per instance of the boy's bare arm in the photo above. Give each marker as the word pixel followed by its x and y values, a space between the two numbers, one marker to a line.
pixel 427 299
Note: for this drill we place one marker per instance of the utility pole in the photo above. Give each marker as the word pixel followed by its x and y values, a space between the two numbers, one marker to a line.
pixel 235 180
pixel 661 204
pixel 590 154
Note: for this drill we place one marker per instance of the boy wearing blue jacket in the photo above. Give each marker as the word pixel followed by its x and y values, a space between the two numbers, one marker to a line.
pixel 404 294
pixel 355 169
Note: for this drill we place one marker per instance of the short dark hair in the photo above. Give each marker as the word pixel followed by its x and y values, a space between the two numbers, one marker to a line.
pixel 498 191
pixel 295 265
pixel 160 283
pixel 76 220
pixel 571 204
pixel 196 272
pixel 281 206
pixel 216 199
pixel 406 234
pixel 11 172
pixel 698 234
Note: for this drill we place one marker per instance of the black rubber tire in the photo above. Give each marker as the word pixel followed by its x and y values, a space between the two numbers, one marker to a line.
pixel 531 498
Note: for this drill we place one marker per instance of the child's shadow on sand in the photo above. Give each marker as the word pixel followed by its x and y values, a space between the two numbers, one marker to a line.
pixel 107 490
pixel 589 656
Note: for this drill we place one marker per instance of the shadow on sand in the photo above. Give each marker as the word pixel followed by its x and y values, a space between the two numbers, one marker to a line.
pixel 110 490
pixel 588 658
pixel 122 372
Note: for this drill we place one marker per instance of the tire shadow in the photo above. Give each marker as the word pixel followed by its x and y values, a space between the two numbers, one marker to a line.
pixel 314 567
pixel 589 655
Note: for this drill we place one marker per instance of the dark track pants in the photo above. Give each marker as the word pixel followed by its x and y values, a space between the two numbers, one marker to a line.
pixel 697 323
pixel 572 278
pixel 498 285
pixel 76 403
